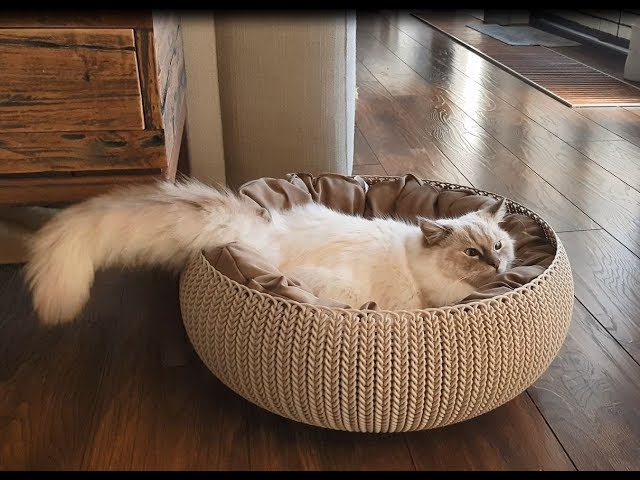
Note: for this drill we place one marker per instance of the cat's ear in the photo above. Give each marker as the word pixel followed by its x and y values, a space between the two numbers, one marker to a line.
pixel 433 231
pixel 496 210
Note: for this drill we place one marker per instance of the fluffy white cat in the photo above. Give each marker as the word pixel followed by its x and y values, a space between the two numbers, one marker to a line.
pixel 348 258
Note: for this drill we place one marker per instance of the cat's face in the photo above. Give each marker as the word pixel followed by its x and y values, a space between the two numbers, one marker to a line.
pixel 473 247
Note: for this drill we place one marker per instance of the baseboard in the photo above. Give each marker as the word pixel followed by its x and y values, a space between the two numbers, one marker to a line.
pixel 579 33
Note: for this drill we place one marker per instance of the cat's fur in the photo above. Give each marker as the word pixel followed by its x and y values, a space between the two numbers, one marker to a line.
pixel 347 258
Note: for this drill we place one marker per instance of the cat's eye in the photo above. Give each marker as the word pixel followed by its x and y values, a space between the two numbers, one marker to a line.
pixel 497 246
pixel 472 252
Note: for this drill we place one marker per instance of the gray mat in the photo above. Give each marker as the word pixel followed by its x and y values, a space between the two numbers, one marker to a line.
pixel 523 35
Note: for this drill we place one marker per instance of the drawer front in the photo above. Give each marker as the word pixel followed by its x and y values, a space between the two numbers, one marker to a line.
pixel 69 80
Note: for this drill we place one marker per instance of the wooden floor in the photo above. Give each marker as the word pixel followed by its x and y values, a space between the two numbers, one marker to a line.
pixel 568 79
pixel 98 394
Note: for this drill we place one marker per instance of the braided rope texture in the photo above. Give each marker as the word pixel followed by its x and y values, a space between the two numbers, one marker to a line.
pixel 378 371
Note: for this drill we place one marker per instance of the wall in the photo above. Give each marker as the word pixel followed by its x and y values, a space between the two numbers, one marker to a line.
pixel 287 92
pixel 204 122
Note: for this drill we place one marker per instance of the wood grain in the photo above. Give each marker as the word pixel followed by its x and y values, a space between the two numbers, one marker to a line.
pixel 542 67
pixel 554 160
pixel 369 170
pixel 282 444
pixel 362 74
pixel 146 56
pixel 362 153
pixel 403 78
pixel 620 158
pixel 589 396
pixel 93 395
pixel 68 79
pixel 512 437
pixel 489 165
pixel 166 418
pixel 81 151
pixel 603 197
pixel 566 123
pixel 477 154
pixel 174 153
pixel 400 147
pixel 64 190
pixel 620 121
pixel 607 282
pixel 167 37
pixel 50 378
pixel 76 18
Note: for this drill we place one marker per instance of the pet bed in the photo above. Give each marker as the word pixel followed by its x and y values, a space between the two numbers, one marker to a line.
pixel 360 368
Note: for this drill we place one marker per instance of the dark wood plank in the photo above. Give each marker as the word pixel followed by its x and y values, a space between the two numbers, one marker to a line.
pixel 606 199
pixel 602 196
pixel 433 112
pixel 277 443
pixel 50 379
pixel 607 282
pixel 589 396
pixel 68 79
pixel 362 153
pixel 634 110
pixel 63 190
pixel 146 56
pixel 397 77
pixel 620 158
pixel 61 410
pixel 32 152
pixel 511 437
pixel 544 68
pixel 165 418
pixel 404 29
pixel 399 146
pixel 369 170
pixel 489 165
pixel 362 74
pixel 76 18
pixel 618 120
pixel 551 158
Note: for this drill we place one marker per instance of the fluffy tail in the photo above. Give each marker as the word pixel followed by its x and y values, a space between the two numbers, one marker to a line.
pixel 154 225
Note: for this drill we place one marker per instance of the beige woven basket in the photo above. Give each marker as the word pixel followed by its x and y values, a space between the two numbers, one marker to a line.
pixel 378 371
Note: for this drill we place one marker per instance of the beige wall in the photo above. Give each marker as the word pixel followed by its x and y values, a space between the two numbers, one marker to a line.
pixel 269 93
pixel 287 92
pixel 204 123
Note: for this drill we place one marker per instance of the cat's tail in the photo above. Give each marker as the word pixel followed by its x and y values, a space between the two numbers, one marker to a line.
pixel 154 225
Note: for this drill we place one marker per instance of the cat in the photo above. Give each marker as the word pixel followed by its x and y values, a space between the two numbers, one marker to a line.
pixel 398 264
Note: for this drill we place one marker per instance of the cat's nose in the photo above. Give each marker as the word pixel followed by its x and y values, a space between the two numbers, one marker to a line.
pixel 494 262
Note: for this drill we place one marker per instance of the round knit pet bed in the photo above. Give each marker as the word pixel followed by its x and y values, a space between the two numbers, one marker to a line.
pixel 359 368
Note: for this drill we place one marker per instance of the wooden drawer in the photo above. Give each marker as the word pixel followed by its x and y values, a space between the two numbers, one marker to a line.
pixel 88 101
pixel 69 79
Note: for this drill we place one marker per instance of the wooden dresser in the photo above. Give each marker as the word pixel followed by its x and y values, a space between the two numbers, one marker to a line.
pixel 88 100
